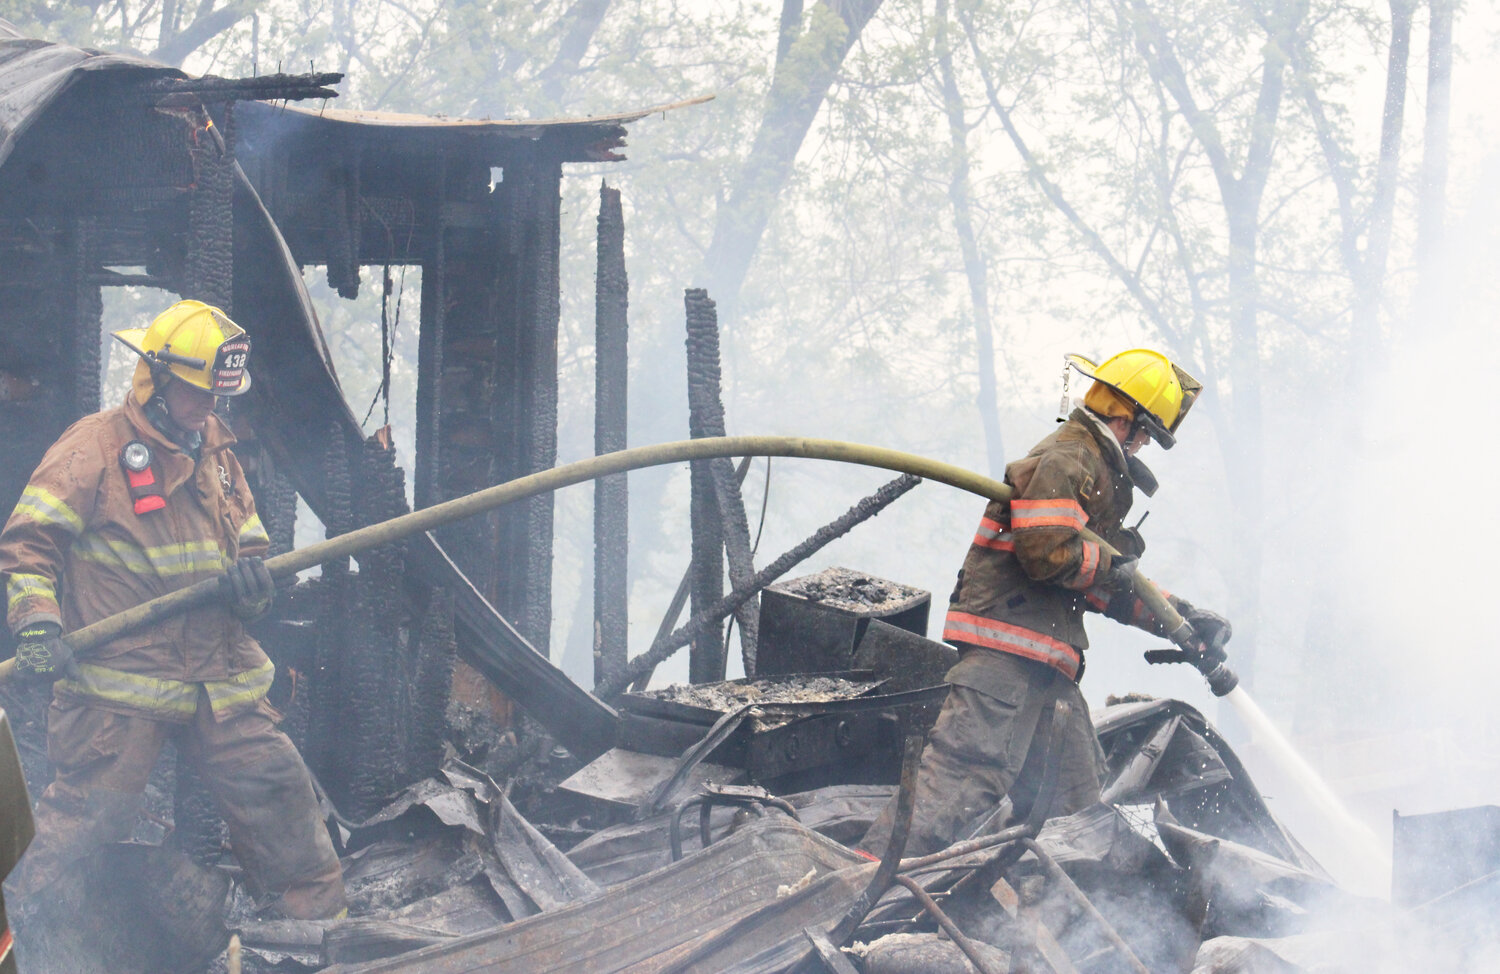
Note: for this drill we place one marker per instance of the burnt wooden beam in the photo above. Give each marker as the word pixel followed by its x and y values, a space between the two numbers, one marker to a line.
pixel 186 92
pixel 706 656
pixel 611 494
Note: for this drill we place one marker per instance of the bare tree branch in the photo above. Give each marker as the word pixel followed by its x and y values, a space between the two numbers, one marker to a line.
pixel 579 25
pixel 1038 174
pixel 206 25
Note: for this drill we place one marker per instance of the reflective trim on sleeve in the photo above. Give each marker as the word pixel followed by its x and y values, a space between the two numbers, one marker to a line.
pixel 992 535
pixel 1098 598
pixel 1087 569
pixel 253 530
pixel 167 698
pixel 162 561
pixel 1060 512
pixel 237 691
pixel 188 558
pixel 1142 617
pixel 1008 638
pixel 22 587
pixel 6 942
pixel 45 507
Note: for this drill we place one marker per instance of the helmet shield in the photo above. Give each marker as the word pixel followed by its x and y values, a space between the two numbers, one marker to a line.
pixel 230 375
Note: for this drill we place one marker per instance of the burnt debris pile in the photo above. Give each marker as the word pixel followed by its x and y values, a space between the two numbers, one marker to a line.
pixel 719 834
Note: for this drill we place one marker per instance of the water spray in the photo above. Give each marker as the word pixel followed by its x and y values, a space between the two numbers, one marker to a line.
pixel 1372 853
pixel 1224 682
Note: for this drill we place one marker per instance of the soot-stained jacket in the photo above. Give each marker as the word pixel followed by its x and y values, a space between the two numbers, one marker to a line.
pixel 1030 575
pixel 90 538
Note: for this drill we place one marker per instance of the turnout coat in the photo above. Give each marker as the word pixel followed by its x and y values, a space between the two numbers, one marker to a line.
pixel 1030 574
pixel 90 537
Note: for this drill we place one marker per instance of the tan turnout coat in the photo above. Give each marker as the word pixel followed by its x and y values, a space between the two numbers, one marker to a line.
pixel 76 550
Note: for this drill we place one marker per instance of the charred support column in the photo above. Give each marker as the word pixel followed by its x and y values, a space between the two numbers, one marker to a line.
pixel 430 476
pixel 208 275
pixel 88 321
pixel 343 233
pixel 539 318
pixel 209 272
pixel 706 654
pixel 487 409
pixel 335 589
pixel 611 497
pixel 721 497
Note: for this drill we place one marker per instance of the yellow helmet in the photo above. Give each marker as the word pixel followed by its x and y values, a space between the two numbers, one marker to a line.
pixel 196 343
pixel 1161 391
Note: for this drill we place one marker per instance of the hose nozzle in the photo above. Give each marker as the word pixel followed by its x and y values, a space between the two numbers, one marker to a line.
pixel 1221 679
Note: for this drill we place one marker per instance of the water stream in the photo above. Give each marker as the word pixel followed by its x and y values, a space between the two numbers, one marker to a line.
pixel 1365 846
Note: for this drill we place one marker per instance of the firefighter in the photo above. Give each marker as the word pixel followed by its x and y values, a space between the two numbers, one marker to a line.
pixel 1016 615
pixel 129 504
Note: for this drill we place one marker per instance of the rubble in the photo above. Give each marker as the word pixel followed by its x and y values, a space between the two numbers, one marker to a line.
pixel 726 696
pixel 1184 869
pixel 846 589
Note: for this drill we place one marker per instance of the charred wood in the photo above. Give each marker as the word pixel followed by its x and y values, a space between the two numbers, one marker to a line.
pixel 837 528
pixel 611 494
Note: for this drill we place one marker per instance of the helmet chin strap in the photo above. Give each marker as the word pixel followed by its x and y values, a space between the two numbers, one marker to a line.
pixel 191 441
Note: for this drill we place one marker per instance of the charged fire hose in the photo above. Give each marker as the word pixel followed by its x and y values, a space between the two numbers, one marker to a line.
pixel 406 525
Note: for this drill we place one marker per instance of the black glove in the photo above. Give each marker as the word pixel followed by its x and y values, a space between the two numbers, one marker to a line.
pixel 1130 542
pixel 249 588
pixel 1121 575
pixel 41 654
pixel 1212 630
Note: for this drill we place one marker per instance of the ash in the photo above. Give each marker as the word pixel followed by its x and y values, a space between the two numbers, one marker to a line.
pixel 728 696
pixel 847 589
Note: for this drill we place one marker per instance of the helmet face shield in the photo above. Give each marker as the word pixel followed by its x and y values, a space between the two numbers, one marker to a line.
pixel 1191 389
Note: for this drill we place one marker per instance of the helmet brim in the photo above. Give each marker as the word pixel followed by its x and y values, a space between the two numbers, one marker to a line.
pixel 133 339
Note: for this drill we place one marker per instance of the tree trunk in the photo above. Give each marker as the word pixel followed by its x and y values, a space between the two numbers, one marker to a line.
pixel 798 88
pixel 1369 285
pixel 974 266
pixel 1433 201
pixel 1243 455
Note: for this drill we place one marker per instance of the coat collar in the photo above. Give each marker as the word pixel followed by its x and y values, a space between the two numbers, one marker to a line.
pixel 1133 468
pixel 216 436
pixel 1104 435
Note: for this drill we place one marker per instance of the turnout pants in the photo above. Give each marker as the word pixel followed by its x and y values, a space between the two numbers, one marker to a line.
pixel 985 745
pixel 253 770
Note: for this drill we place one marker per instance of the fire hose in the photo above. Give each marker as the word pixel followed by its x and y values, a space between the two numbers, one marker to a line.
pixel 1220 678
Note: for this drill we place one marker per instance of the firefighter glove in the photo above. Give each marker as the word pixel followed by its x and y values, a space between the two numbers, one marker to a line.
pixel 1212 629
pixel 1121 574
pixel 248 587
pixel 41 654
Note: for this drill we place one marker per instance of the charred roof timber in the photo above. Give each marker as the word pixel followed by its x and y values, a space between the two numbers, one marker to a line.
pixel 194 92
